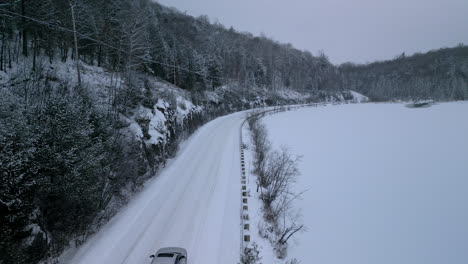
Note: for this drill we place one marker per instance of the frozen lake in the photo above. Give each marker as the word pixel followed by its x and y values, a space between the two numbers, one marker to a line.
pixel 388 184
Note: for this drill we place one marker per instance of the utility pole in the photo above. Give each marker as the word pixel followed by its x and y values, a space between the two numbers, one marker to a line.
pixel 76 43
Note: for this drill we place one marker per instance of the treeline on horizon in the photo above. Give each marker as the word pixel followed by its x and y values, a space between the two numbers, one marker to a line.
pixel 440 75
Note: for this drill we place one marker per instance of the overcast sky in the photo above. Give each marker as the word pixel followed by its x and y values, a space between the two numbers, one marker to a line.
pixel 347 30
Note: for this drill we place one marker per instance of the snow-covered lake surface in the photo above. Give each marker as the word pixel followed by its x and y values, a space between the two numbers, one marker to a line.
pixel 388 184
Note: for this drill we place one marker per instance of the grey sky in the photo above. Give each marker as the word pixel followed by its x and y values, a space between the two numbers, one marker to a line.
pixel 358 30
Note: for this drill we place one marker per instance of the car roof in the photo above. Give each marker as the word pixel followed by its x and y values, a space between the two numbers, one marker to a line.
pixel 176 250
pixel 165 260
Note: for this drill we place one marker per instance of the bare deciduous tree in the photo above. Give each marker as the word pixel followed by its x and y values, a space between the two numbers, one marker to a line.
pixel 72 6
pixel 281 172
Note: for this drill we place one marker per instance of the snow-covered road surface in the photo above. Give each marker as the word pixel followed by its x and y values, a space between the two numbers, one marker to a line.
pixel 194 203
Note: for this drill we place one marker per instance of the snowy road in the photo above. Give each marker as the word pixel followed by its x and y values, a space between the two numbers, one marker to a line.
pixel 194 203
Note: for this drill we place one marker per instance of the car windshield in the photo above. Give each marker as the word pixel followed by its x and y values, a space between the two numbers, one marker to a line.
pixel 165 255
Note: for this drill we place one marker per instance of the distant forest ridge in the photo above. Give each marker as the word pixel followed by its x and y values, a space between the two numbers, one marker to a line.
pixel 438 74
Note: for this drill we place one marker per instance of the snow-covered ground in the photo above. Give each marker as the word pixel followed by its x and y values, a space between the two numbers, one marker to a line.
pixel 194 203
pixel 387 184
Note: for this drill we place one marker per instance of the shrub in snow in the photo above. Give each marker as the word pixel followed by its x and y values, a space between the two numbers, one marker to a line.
pixel 251 255
pixel 292 261
pixel 276 171
pixel 262 147
pixel 280 172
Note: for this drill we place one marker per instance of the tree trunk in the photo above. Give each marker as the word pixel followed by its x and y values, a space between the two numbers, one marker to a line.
pixel 49 46
pixel 2 50
pixel 77 55
pixel 25 33
pixel 16 48
pixel 34 51
pixel 9 56
pixel 99 56
pixel 64 51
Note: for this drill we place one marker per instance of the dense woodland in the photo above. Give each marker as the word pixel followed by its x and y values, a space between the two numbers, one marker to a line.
pixel 65 155
pixel 440 75
pixel 126 35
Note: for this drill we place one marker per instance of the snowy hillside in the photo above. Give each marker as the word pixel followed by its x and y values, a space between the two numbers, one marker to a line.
pixel 386 183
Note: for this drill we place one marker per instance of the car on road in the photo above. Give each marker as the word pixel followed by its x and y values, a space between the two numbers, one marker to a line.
pixel 170 255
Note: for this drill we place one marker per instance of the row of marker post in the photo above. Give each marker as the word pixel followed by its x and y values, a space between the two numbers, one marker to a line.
pixel 245 194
